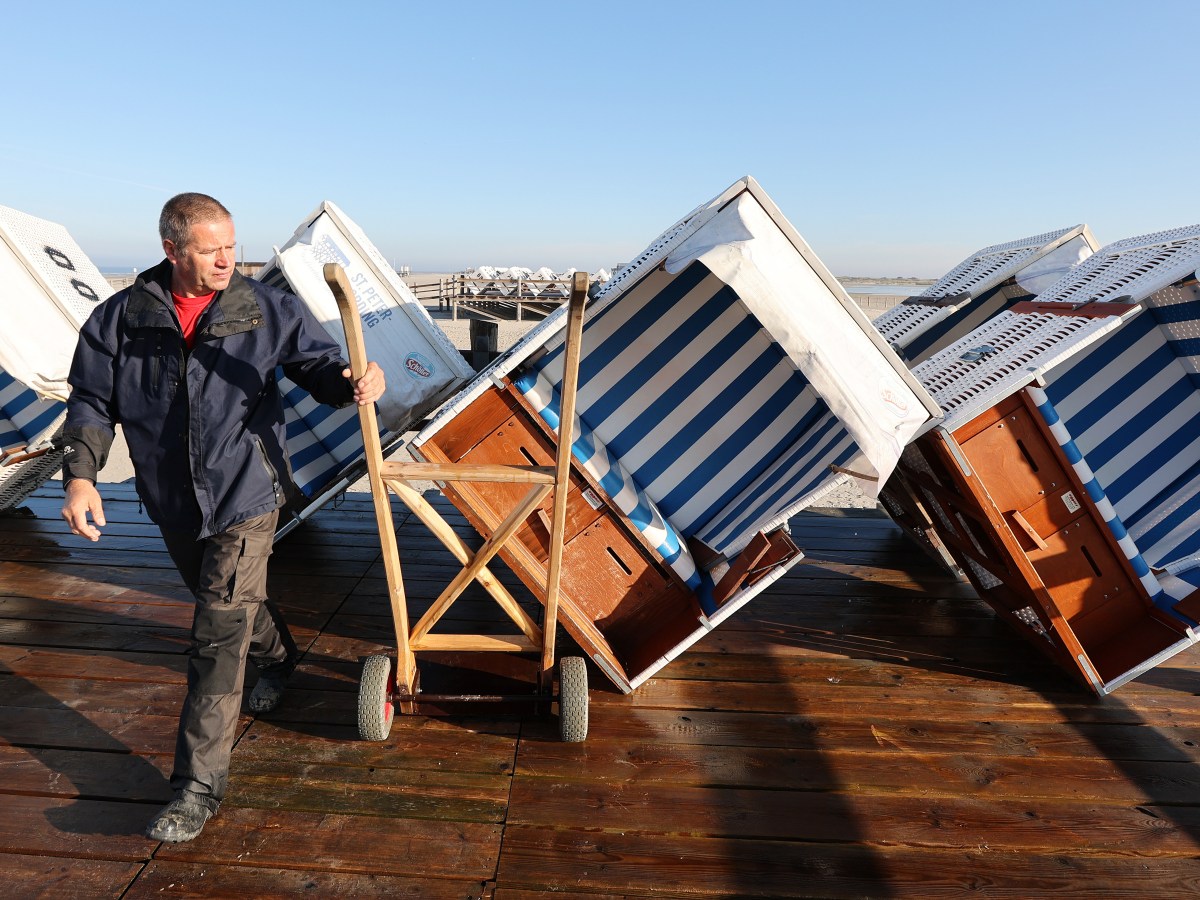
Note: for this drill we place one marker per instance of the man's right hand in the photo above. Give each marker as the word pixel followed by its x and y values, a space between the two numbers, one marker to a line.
pixel 83 500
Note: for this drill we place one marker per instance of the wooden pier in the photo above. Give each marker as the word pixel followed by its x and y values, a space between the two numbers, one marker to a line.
pixel 866 728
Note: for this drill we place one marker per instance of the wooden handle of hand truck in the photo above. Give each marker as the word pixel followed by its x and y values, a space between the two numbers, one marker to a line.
pixel 343 295
pixel 562 464
pixel 406 665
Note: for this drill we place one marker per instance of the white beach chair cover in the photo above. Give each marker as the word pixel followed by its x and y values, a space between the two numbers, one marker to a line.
pixel 48 288
pixel 420 363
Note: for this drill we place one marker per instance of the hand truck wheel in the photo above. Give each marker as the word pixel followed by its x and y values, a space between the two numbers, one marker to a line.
pixel 572 699
pixel 375 710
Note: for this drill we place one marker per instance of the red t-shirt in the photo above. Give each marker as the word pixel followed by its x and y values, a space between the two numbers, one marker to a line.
pixel 189 310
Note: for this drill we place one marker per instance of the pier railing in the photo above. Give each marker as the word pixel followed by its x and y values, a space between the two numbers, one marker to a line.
pixel 497 298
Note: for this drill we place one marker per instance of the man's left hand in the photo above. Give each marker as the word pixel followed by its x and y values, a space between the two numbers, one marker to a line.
pixel 370 387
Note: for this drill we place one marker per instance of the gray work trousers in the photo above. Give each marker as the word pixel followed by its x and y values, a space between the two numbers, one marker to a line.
pixel 233 619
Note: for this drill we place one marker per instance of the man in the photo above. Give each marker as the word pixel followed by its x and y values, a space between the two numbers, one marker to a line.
pixel 185 360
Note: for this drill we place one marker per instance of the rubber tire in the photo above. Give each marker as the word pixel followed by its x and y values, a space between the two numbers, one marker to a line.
pixel 375 710
pixel 572 699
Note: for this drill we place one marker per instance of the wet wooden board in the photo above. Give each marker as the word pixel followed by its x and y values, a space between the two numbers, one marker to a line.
pixel 865 727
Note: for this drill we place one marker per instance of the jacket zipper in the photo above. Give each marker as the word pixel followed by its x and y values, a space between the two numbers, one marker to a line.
pixel 262 455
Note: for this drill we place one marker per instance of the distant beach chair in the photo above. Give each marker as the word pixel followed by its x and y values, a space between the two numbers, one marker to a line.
pixel 49 288
pixel 1065 477
pixel 985 283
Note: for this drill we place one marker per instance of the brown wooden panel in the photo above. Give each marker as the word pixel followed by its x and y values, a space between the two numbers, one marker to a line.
pixel 1015 461
pixel 465 429
pixel 515 443
pixel 1088 582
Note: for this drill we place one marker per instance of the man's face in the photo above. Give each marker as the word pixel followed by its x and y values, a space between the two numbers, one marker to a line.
pixel 207 261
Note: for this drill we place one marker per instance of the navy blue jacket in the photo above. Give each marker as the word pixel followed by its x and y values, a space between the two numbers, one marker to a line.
pixel 205 428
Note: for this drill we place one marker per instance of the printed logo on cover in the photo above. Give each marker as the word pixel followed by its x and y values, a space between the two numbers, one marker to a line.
pixel 418 366
pixel 893 396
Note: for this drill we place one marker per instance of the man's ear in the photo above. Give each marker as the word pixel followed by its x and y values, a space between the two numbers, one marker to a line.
pixel 169 250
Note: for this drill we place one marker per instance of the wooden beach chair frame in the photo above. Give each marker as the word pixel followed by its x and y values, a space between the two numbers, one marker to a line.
pixel 1063 480
pixel 380 692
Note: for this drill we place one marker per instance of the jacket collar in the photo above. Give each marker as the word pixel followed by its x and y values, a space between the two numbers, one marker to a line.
pixel 150 306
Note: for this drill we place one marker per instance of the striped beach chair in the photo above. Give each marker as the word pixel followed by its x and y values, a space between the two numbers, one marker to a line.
pixel 422 366
pixel 980 287
pixel 48 287
pixel 726 382
pixel 1065 476
pixel 984 284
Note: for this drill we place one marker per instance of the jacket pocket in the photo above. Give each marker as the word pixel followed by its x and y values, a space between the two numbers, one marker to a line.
pixel 270 469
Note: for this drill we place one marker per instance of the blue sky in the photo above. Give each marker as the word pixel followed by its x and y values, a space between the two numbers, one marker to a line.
pixel 897 137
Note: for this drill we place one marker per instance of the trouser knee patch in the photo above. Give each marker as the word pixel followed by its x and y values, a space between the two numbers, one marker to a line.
pixel 216 657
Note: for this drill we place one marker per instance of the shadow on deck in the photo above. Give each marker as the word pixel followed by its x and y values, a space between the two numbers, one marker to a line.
pixel 864 728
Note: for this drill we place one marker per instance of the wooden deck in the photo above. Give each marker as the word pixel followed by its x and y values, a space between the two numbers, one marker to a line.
pixel 865 728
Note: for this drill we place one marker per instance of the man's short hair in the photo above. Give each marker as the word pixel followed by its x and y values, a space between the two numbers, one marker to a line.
pixel 183 211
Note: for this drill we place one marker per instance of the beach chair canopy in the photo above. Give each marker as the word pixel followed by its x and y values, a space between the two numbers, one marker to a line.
pixel 982 285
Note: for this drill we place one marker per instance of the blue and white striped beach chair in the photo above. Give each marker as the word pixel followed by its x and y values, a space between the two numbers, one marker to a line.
pixel 48 287
pixel 1065 477
pixel 422 366
pixel 984 284
pixel 726 382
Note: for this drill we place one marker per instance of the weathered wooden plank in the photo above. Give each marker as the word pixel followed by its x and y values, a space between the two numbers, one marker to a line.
pixel 820 816
pixel 50 876
pixel 588 861
pixel 340 843
pixel 174 614
pixel 163 878
pixel 35 662
pixel 943 772
pixel 861 730
pixel 392 793
pixel 416 744
pixel 69 694
pixel 952 703
pixel 134 637
pixel 80 773
pixel 81 828
pixel 113 732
